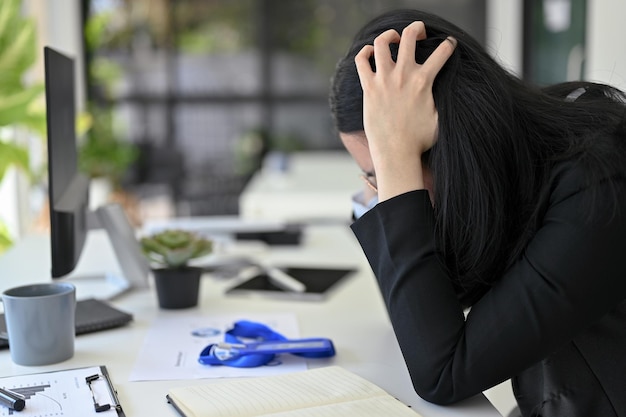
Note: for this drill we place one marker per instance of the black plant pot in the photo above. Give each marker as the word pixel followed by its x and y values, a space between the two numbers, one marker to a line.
pixel 177 287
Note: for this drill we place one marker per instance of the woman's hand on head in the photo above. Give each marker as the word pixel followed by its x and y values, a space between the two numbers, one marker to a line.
pixel 399 113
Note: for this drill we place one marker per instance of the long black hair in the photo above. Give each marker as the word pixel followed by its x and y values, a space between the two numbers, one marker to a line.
pixel 498 139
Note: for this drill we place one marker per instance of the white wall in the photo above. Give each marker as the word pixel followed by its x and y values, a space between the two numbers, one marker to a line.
pixel 9 210
pixel 606 31
pixel 504 32
pixel 60 27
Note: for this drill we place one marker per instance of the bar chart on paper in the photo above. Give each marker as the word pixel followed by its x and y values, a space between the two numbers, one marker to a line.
pixel 29 392
pixel 56 394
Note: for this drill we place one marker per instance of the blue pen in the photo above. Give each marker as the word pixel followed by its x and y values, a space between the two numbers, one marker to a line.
pixel 219 352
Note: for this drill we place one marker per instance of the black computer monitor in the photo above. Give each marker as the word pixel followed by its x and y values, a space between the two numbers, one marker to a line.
pixel 70 214
pixel 68 189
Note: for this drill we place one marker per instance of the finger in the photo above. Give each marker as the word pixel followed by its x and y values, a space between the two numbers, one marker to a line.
pixel 439 57
pixel 382 53
pixel 362 62
pixel 410 35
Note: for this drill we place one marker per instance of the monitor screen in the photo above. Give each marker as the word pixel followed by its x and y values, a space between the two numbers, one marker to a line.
pixel 68 189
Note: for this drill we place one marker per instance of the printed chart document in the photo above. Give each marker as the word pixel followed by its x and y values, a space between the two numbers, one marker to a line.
pixel 174 342
pixel 64 393
pixel 323 392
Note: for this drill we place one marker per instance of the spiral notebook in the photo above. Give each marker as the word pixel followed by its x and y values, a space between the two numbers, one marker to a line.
pixel 92 315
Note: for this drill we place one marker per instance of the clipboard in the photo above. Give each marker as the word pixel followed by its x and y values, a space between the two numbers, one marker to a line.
pixel 79 392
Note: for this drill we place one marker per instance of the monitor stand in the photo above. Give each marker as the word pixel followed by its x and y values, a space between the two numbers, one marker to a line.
pixel 133 265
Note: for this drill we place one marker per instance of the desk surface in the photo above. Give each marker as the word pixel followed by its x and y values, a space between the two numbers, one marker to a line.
pixel 353 317
pixel 315 185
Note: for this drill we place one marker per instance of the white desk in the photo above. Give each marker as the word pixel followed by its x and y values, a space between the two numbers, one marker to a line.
pixel 316 185
pixel 353 317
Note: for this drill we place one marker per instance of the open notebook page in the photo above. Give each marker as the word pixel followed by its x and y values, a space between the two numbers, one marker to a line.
pixel 329 391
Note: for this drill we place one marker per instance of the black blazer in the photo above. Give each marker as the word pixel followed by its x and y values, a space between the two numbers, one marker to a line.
pixel 555 322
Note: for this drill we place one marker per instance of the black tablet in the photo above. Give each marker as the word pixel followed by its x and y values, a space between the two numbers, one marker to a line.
pixel 318 283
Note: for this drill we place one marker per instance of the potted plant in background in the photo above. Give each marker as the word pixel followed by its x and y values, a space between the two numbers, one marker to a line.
pixel 169 252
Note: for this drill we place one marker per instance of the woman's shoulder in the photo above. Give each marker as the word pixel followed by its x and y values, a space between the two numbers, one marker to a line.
pixel 575 175
pixel 591 185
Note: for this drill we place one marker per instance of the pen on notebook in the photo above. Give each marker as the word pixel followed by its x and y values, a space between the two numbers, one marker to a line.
pixel 12 399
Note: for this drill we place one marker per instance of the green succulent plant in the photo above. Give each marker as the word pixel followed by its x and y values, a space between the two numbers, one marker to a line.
pixel 175 248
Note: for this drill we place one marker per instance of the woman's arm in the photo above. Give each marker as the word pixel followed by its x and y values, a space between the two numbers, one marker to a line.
pixel 572 273
pixel 399 114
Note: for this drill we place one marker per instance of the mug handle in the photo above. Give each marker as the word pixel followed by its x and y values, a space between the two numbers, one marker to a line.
pixel 3 335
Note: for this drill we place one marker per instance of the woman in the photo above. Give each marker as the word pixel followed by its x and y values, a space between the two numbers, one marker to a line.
pixel 499 235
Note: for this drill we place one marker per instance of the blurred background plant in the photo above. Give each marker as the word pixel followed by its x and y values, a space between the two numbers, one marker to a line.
pixel 103 153
pixel 252 148
pixel 21 103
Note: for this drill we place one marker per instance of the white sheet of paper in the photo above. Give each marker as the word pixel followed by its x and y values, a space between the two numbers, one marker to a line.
pixel 174 342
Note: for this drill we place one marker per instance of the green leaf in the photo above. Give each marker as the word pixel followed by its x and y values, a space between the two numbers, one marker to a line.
pixel 35 120
pixel 19 53
pixel 14 107
pixel 12 155
pixel 9 10
pixel 95 28
pixel 175 248
pixel 5 238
